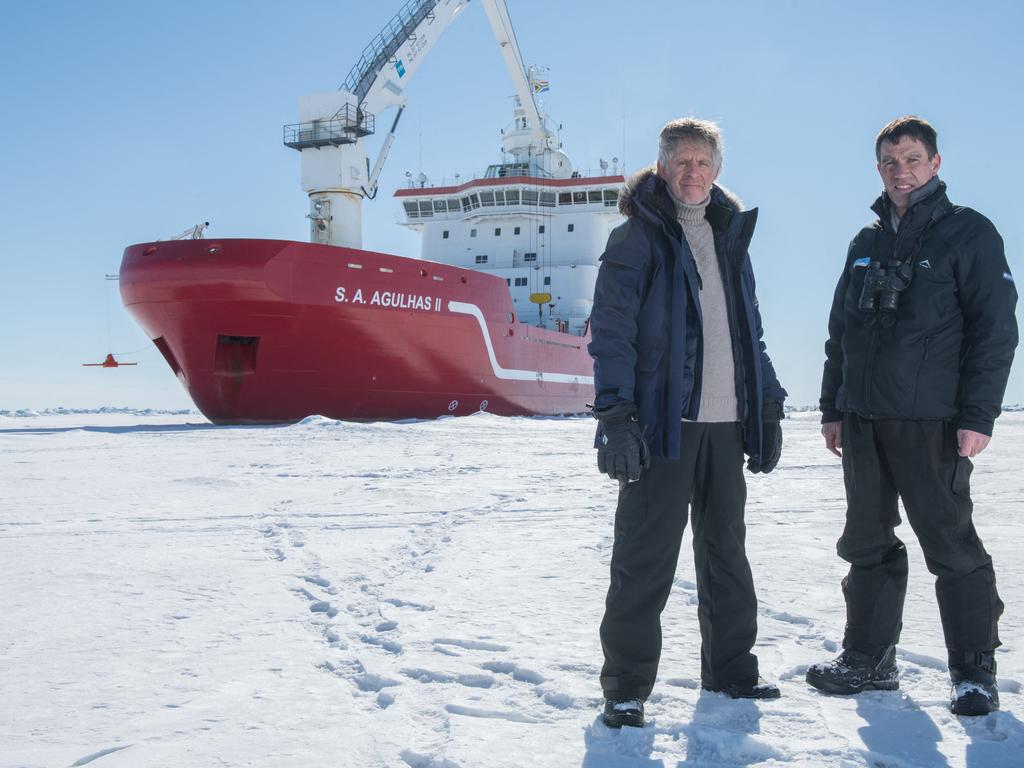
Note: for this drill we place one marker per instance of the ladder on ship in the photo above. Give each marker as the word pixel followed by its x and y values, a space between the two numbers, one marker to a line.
pixel 383 46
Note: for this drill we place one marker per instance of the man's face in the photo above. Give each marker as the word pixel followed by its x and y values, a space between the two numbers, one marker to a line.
pixel 904 167
pixel 690 171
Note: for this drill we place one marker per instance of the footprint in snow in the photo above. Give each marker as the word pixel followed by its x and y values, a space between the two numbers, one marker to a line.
pixel 322 606
pixel 416 760
pixel 388 645
pixel 316 605
pixel 788 618
pixel 515 717
pixel 470 645
pixel 514 671
pixel 428 676
pixel 399 603
pixel 321 582
pixel 272 534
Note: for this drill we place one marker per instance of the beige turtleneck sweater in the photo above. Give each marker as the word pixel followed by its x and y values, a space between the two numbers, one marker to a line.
pixel 718 401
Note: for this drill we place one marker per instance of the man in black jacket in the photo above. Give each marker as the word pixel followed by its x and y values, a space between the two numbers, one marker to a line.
pixel 921 338
pixel 684 387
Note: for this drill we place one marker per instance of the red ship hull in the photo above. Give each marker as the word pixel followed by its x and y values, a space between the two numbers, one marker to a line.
pixel 273 331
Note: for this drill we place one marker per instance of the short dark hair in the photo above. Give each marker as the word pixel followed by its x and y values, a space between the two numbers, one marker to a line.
pixel 912 126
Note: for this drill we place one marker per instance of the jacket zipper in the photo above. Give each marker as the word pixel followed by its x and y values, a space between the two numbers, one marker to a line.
pixel 869 365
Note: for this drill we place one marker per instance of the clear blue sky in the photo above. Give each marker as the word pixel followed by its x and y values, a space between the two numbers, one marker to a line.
pixel 125 122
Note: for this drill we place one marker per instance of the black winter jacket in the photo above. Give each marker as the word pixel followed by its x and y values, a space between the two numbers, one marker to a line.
pixel 646 320
pixel 947 354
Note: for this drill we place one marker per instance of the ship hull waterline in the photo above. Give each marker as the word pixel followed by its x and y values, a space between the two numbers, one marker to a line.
pixel 269 331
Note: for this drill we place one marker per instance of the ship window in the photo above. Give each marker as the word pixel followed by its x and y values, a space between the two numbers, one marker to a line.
pixel 426 209
pixel 474 201
pixel 439 206
pixel 579 197
pixel 547 280
pixel 611 197
pixel 565 198
pixel 465 203
pixel 515 231
pixel 508 281
pixel 594 196
pixel 487 199
pixel 520 281
pixel 472 233
pixel 547 199
pixel 497 231
pixel 453 203
pixel 529 257
pixel 512 196
pixel 412 210
pixel 444 235
pixel 572 227
pixel 540 230
pixel 530 196
pixel 499 197
pixel 481 258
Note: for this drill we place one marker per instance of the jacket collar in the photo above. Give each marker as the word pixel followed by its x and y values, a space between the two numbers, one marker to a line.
pixel 931 207
pixel 646 195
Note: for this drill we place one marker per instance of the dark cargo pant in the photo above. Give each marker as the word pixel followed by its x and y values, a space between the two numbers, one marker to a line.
pixel 917 461
pixel 649 523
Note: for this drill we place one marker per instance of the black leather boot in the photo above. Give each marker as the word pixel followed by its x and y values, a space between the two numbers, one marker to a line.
pixel 620 712
pixel 853 672
pixel 974 690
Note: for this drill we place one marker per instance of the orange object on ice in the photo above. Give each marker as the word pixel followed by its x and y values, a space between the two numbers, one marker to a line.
pixel 108 362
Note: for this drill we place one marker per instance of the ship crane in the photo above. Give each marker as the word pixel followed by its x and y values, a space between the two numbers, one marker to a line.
pixel 336 172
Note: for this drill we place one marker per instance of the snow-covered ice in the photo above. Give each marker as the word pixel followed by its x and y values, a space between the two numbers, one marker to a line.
pixel 427 595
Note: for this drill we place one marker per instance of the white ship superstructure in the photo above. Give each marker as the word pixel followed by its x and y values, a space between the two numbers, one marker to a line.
pixel 543 236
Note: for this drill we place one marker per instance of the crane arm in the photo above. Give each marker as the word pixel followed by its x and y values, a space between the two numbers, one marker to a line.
pixel 378 80
pixel 501 25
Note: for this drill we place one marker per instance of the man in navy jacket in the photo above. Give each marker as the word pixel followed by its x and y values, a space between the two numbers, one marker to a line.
pixel 684 388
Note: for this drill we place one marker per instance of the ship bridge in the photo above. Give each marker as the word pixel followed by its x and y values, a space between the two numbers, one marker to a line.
pixel 504 189
pixel 543 236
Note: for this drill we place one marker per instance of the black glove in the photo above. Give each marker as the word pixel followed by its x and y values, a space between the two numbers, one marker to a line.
pixel 621 450
pixel 772 447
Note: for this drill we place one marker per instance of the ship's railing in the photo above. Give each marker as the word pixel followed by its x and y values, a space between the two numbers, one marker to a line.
pixel 581 176
pixel 383 46
pixel 346 127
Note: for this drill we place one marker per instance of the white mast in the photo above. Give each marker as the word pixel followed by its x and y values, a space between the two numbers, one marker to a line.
pixel 529 141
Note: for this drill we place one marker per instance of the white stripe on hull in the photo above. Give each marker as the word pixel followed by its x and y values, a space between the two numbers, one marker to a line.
pixel 463 308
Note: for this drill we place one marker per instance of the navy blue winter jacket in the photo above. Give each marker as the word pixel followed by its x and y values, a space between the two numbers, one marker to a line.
pixel 646 319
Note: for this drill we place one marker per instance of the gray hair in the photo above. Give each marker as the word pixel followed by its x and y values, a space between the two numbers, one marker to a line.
pixel 689 129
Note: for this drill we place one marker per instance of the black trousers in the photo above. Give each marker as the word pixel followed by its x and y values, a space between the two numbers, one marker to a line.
pixel 918 462
pixel 649 522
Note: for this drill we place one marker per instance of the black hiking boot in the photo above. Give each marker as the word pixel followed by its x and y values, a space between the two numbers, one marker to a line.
pixel 853 672
pixel 751 688
pixel 974 683
pixel 620 712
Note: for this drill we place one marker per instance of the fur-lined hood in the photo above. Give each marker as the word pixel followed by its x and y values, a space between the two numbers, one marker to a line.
pixel 646 187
